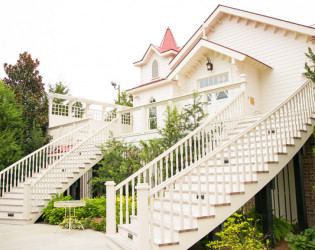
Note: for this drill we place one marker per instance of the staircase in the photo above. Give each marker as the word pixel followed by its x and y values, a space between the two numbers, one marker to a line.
pixel 203 179
pixel 29 184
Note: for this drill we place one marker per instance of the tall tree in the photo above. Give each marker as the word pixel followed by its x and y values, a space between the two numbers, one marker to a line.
pixel 24 79
pixel 11 136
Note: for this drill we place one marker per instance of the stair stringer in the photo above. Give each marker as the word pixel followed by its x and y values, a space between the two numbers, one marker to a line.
pixel 206 225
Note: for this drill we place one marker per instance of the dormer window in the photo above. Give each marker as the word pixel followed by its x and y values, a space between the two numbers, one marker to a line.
pixel 155 69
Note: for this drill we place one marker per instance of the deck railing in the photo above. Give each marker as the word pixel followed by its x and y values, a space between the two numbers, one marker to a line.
pixel 230 166
pixel 42 158
pixel 62 171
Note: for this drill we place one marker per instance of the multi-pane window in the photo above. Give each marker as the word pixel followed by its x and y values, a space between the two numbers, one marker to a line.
pixel 204 83
pixel 152 116
pixel 155 69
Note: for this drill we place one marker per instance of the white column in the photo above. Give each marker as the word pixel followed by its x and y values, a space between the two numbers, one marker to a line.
pixel 110 208
pixel 143 216
pixel 50 103
pixel 27 201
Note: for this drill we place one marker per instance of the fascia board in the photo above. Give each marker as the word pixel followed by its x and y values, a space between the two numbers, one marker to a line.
pixel 271 21
pixel 208 45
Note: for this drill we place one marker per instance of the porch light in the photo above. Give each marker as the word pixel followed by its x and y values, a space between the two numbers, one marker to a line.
pixel 209 64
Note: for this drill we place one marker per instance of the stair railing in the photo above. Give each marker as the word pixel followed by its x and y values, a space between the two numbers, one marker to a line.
pixel 183 154
pixel 230 166
pixel 62 171
pixel 40 159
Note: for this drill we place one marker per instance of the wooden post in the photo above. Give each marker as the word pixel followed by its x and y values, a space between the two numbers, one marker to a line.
pixel 143 216
pixel 263 204
pixel 110 208
pixel 27 201
pixel 300 191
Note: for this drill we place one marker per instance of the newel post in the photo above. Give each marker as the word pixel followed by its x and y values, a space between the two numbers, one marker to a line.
pixel 110 208
pixel 143 216
pixel 27 201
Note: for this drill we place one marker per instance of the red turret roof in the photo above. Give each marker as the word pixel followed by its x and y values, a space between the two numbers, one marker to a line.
pixel 168 42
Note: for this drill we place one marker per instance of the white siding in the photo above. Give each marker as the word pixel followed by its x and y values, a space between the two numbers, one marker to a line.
pixel 146 70
pixel 284 54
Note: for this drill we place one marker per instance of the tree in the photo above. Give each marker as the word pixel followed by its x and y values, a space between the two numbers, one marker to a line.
pixel 24 79
pixel 193 113
pixel 173 129
pixel 59 88
pixel 120 160
pixel 124 99
pixel 310 72
pixel 11 136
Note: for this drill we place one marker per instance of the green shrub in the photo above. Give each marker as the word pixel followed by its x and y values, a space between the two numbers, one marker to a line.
pixel 281 226
pixel 53 215
pixel 239 233
pixel 95 210
pixel 304 240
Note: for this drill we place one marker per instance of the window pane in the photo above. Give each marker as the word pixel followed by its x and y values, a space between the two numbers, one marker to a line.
pixel 202 84
pixel 215 80
pixel 210 81
pixel 222 95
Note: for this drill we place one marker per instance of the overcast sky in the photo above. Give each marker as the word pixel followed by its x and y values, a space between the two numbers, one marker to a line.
pixel 88 44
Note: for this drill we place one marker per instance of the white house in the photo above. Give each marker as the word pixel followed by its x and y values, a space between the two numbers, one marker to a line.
pixel 248 68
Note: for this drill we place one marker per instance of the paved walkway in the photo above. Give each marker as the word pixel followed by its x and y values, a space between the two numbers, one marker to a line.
pixel 43 237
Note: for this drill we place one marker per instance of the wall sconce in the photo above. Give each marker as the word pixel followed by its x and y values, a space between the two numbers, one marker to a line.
pixel 209 64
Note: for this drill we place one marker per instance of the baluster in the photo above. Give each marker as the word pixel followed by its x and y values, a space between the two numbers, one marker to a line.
pixel 267 140
pixel 172 165
pixel 190 201
pixel 199 146
pixel 156 175
pixel 181 157
pixel 195 148
pixel 133 197
pixel 171 213
pixel 199 192
pixel 150 178
pixel 161 170
pixel 151 222
pixel 181 211
pixel 207 169
pixel 230 169
pixel 279 121
pixel 127 203
pixel 121 206
pixel 215 169
pixel 243 159
pixel 271 140
pixel 203 146
pixel 162 216
pixel 166 166
pixel 190 150
pixel 223 176
pixel 177 160
pixel 250 156
pixel 186 155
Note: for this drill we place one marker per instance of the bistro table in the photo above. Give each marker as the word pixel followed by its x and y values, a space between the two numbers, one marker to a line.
pixel 70 204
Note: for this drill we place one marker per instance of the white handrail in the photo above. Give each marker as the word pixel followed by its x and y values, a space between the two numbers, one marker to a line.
pixel 39 159
pixel 64 168
pixel 255 147
pixel 206 123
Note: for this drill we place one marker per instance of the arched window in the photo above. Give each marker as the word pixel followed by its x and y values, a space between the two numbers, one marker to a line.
pixel 155 69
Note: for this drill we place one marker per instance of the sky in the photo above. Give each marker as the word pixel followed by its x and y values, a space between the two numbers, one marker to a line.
pixel 87 44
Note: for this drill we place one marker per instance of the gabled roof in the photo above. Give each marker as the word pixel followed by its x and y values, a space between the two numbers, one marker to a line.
pixel 212 46
pixel 215 16
pixel 168 47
